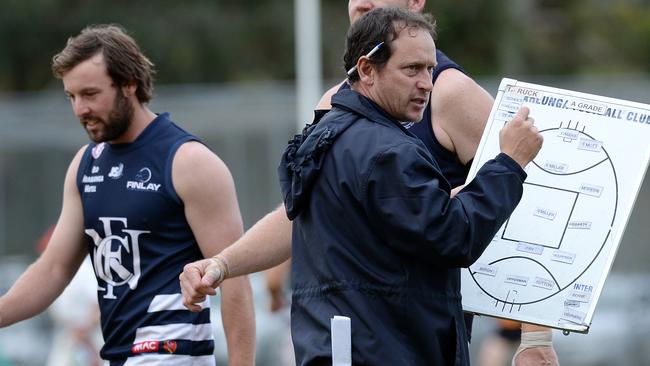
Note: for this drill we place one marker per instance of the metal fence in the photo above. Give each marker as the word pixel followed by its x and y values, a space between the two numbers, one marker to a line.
pixel 248 126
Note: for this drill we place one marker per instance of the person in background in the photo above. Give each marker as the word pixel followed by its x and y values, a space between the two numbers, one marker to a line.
pixel 500 344
pixel 276 279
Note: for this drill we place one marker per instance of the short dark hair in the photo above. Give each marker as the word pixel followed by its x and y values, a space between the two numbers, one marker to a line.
pixel 125 63
pixel 380 25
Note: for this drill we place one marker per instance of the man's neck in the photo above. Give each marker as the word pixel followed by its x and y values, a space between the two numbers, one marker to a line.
pixel 142 117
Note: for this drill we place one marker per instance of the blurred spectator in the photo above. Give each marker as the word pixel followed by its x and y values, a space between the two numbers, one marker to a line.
pixel 276 280
pixel 499 346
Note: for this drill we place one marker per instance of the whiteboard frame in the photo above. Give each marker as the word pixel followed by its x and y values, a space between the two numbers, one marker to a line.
pixel 492 127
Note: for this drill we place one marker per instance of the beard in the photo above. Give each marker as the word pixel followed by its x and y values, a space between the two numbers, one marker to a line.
pixel 119 120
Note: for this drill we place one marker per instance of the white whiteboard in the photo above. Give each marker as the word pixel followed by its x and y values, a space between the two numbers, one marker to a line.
pixel 548 263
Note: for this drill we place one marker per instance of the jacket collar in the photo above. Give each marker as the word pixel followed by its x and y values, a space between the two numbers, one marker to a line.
pixel 303 158
pixel 353 101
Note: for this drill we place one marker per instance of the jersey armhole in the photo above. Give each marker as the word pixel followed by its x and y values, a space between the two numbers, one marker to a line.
pixel 169 184
pixel 83 164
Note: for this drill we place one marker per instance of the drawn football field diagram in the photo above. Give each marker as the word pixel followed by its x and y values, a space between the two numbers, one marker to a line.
pixel 548 262
pixel 550 216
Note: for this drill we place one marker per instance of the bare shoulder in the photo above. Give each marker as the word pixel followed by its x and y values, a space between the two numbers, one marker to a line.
pixel 71 174
pixel 325 101
pixel 194 154
pixel 204 184
pixel 195 166
pixel 71 195
pixel 459 109
pixel 79 155
pixel 81 151
pixel 452 84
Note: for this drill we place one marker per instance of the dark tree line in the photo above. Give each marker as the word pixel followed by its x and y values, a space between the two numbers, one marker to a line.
pixel 207 41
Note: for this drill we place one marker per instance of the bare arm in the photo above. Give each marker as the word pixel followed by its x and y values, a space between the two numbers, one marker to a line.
pixel 207 189
pixel 459 111
pixel 46 278
pixel 266 244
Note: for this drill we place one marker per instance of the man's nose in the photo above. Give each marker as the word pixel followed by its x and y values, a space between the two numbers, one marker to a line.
pixel 79 107
pixel 424 81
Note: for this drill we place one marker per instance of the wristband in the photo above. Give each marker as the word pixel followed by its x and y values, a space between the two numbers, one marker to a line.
pixel 222 268
pixel 541 342
pixel 536 339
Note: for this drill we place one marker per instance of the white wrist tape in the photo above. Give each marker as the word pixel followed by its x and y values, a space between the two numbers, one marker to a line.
pixel 223 270
pixel 535 340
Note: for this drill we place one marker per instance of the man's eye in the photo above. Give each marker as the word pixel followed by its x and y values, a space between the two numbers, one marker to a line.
pixel 412 69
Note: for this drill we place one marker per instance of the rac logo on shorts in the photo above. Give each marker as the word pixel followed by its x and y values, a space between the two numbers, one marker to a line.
pixel 153 347
pixel 145 347
pixel 142 182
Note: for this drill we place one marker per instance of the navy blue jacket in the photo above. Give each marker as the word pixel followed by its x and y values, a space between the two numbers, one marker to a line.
pixel 377 238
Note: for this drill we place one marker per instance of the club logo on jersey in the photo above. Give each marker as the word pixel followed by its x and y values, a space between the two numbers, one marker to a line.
pixel 141 182
pixel 170 346
pixel 144 175
pixel 116 171
pixel 98 149
pixel 116 256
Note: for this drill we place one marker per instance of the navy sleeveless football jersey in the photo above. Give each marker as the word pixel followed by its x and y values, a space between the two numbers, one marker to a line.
pixel 139 241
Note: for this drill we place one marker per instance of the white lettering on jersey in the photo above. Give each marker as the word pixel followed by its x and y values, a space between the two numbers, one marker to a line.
pixel 139 186
pixel 141 182
pixel 92 179
pixel 110 261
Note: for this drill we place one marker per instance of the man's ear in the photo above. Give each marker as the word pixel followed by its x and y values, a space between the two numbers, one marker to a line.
pixel 416 5
pixel 129 89
pixel 366 71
